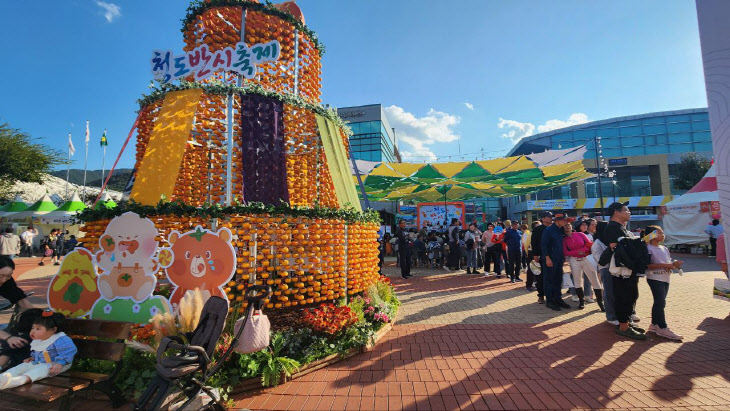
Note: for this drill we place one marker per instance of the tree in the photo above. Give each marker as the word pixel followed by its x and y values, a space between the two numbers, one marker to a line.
pixel 23 159
pixel 690 170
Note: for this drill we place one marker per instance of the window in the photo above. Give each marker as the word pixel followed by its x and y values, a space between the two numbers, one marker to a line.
pixel 630 131
pixel 626 123
pixel 700 116
pixel 607 132
pixel 610 142
pixel 633 151
pixel 680 148
pixel 656 149
pixel 584 134
pixel 680 138
pixel 655 129
pixel 563 137
pixel 678 118
pixel 611 152
pixel 703 146
pixel 632 141
pixel 653 120
pixel 701 136
pixel 672 127
pixel 701 125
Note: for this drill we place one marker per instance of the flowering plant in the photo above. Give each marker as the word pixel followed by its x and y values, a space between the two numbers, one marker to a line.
pixel 329 319
pixel 143 333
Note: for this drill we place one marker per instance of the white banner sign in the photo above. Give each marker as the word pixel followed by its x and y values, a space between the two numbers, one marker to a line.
pixel 552 204
pixel 202 62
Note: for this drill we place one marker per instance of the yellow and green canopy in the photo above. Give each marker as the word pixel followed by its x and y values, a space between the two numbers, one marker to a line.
pixel 501 177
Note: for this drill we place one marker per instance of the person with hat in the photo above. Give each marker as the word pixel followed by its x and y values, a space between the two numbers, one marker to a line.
pixel 553 259
pixel 546 219
pixel 625 290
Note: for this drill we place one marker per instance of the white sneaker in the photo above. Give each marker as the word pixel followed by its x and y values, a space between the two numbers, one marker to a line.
pixel 653 328
pixel 590 300
pixel 635 318
pixel 445 268
pixel 575 298
pixel 612 322
pixel 667 333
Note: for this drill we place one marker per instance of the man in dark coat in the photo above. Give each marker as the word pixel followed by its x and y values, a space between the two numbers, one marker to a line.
pixel 404 249
pixel 546 219
pixel 553 258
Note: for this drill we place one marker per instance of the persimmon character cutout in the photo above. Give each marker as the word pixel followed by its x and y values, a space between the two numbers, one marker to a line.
pixel 200 259
pixel 73 290
pixel 127 258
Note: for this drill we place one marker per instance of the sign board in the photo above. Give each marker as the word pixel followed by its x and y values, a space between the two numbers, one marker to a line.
pixel 202 62
pixel 438 213
pixel 552 204
pixel 407 213
pixel 618 161
pixel 644 217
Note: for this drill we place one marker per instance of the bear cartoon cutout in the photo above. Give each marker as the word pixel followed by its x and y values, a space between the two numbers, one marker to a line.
pixel 126 258
pixel 199 259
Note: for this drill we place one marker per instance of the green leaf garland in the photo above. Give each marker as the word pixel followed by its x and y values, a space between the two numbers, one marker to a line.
pixel 211 211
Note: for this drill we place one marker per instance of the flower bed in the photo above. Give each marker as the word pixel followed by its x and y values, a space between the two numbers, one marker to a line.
pixel 323 335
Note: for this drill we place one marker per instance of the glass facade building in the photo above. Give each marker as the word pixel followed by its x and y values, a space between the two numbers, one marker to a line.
pixel 642 150
pixel 372 137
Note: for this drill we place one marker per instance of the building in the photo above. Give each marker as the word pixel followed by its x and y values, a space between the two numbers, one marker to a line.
pixel 643 152
pixel 373 139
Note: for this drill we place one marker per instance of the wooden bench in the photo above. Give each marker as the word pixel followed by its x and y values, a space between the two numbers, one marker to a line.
pixel 107 344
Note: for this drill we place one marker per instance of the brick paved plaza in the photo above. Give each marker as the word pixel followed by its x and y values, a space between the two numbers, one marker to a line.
pixel 469 342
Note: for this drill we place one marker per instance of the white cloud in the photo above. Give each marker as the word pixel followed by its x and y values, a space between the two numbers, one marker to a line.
pixel 516 130
pixel 111 10
pixel 574 119
pixel 418 133
pixel 469 106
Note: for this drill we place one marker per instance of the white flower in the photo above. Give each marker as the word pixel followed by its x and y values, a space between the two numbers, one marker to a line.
pixel 107 309
pixel 135 308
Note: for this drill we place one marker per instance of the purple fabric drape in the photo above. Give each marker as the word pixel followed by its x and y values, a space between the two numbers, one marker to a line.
pixel 264 160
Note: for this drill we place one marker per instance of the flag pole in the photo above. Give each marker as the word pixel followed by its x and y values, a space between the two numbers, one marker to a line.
pixel 103 157
pixel 86 157
pixel 68 164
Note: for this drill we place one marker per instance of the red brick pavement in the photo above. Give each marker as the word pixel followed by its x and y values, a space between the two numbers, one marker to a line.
pixel 466 342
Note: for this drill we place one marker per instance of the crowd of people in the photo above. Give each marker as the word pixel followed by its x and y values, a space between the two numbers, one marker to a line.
pixel 596 261
pixel 52 246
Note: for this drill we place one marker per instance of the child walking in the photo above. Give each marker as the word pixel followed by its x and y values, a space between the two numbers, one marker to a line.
pixel 657 276
pixel 51 353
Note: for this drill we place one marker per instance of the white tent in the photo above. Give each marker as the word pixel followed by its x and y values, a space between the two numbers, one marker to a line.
pixel 686 220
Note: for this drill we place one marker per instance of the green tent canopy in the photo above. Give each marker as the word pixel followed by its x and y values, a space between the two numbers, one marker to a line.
pixel 105 201
pixel 501 177
pixel 13 207
pixel 43 206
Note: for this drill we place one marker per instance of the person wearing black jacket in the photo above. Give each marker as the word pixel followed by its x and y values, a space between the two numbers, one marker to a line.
pixel 454 249
pixel 553 259
pixel 546 219
pixel 404 249
pixel 625 290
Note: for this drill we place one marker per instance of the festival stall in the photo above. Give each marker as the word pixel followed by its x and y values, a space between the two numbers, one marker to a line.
pixel 41 207
pixel 15 206
pixel 686 217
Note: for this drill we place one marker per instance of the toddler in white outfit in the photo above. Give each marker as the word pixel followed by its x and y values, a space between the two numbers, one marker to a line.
pixel 51 351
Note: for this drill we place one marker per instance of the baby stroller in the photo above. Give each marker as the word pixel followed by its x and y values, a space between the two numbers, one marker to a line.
pixel 188 367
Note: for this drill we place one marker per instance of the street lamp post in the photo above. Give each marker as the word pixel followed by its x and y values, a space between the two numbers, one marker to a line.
pixel 596 146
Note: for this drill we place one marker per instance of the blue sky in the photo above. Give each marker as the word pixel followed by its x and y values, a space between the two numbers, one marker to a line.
pixel 450 73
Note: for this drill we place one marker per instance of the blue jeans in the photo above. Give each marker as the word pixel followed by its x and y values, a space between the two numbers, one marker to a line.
pixel 552 279
pixel 608 299
pixel 659 289
pixel 471 258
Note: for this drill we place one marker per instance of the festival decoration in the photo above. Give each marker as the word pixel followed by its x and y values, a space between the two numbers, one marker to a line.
pixel 126 259
pixel 199 259
pixel 73 290
pixel 499 177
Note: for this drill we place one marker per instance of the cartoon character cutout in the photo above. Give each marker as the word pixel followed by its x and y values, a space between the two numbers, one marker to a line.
pixel 127 258
pixel 73 290
pixel 200 259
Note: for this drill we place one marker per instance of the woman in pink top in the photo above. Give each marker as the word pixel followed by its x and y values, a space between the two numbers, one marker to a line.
pixel 577 247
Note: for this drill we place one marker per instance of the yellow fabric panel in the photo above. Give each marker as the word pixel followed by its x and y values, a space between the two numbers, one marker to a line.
pixel 396 169
pixel 450 169
pixel 334 149
pixel 160 165
pixel 549 171
pixel 496 164
pixel 644 201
